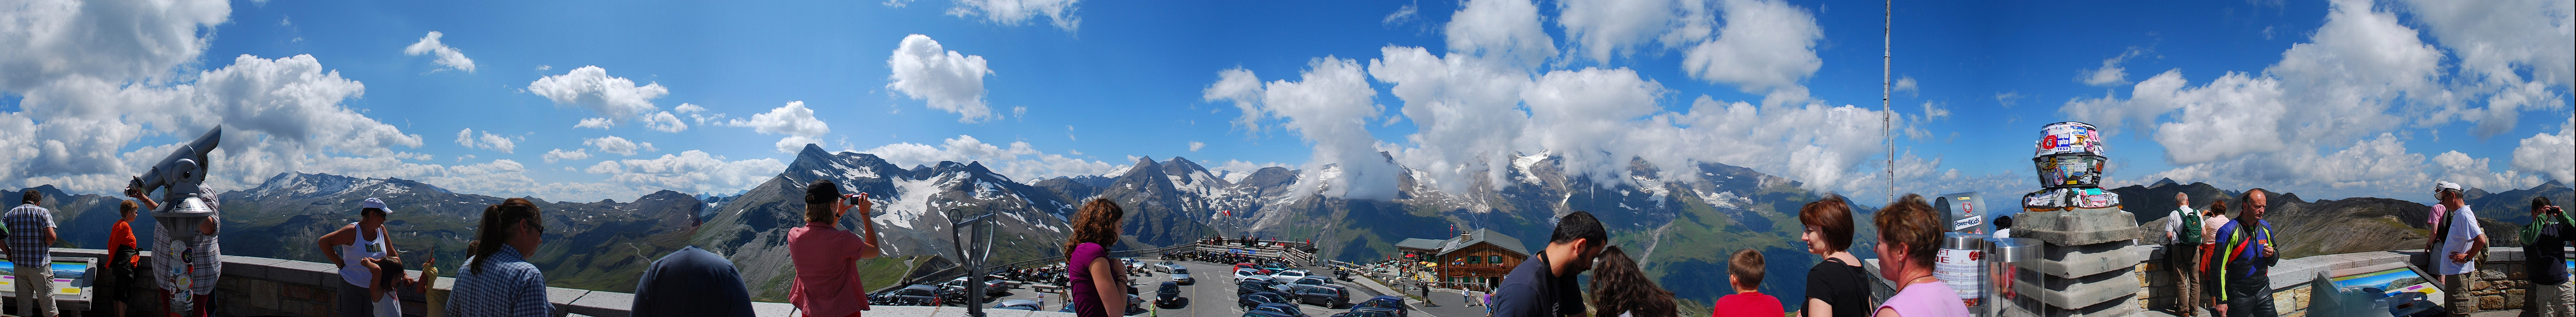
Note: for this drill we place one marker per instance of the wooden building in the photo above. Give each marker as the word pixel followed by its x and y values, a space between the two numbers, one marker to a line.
pixel 1475 259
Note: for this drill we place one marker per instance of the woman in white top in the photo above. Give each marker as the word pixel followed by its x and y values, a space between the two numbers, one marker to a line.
pixel 350 248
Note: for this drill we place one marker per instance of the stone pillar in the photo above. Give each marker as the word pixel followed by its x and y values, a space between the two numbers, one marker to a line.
pixel 2089 266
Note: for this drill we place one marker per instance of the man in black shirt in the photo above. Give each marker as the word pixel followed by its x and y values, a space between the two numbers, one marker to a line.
pixel 1545 286
pixel 2548 237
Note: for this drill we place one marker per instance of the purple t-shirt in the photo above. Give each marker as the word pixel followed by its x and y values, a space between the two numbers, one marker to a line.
pixel 1086 296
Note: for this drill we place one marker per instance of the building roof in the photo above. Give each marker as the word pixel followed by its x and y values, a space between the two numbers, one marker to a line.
pixel 1484 236
pixel 1417 243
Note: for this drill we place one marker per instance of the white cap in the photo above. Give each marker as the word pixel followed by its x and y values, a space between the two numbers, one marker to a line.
pixel 2439 186
pixel 375 203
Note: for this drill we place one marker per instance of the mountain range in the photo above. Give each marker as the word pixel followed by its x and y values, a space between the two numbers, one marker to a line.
pixel 1680 229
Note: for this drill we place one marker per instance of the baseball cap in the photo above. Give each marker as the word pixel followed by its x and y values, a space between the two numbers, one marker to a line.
pixel 378 204
pixel 2441 186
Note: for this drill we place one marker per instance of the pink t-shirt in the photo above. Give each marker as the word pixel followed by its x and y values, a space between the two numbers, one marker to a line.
pixel 827 271
pixel 1934 299
pixel 2435 218
pixel 1746 304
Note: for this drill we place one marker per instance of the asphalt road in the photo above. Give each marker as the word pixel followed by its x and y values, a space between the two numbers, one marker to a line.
pixel 1213 295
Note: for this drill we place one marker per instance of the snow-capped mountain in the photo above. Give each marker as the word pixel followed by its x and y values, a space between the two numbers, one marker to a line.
pixel 912 215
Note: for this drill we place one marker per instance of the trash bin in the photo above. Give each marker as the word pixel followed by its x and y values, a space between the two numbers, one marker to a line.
pixel 2004 258
pixel 1960 265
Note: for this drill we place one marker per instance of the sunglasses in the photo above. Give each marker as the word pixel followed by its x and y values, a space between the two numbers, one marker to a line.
pixel 540 226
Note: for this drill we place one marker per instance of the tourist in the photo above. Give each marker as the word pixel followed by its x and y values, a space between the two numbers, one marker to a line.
pixel 691 282
pixel 380 291
pixel 1909 236
pixel 2547 240
pixel 2245 259
pixel 498 280
pixel 2208 254
pixel 1837 286
pixel 1098 283
pixel 122 253
pixel 30 248
pixel 827 258
pixel 1744 273
pixel 2003 227
pixel 1546 286
pixel 350 247
pixel 2182 230
pixel 1620 288
pixel 2463 241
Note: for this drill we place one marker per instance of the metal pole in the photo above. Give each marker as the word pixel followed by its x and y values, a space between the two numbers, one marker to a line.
pixel 1886 124
pixel 972 262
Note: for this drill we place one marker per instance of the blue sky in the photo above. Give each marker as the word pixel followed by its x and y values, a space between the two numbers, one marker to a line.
pixel 2330 100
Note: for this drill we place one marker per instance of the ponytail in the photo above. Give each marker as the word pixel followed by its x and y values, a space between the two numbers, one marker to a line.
pixel 495 232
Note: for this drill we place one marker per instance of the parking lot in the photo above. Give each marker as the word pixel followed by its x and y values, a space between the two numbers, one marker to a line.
pixel 1213 295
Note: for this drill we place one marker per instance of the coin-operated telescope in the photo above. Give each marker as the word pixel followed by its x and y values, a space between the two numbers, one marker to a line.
pixel 182 173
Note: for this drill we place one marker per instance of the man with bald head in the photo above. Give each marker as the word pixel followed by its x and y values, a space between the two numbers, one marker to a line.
pixel 2246 256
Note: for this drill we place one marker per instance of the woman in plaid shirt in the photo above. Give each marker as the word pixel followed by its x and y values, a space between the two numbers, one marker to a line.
pixel 497 280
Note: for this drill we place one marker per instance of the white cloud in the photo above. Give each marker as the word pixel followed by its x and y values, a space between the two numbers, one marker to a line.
pixel 1235 84
pixel 665 122
pixel 1402 15
pixel 1601 29
pixel 53 42
pixel 1329 107
pixel 1764 46
pixel 793 120
pixel 279 115
pixel 1503 29
pixel 1466 109
pixel 1907 85
pixel 1018 160
pixel 949 81
pixel 1590 117
pixel 617 145
pixel 1195 145
pixel 447 56
pixel 595 123
pixel 560 154
pixel 689 171
pixel 2111 74
pixel 1013 12
pixel 615 99
pixel 2549 155
pixel 488 141
pixel 2473 172
pixel 2497 42
pixel 1934 111
pixel 689 108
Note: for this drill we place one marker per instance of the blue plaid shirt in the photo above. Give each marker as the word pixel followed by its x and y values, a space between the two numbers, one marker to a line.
pixel 27 246
pixel 506 285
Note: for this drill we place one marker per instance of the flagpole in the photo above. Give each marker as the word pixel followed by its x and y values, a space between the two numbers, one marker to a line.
pixel 1886 124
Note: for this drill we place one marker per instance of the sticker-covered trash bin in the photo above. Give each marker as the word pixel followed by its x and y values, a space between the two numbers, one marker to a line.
pixel 2005 257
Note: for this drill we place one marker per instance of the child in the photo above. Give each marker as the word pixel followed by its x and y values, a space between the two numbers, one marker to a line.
pixel 1744 272
pixel 383 290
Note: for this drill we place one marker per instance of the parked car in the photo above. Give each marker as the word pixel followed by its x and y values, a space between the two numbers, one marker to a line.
pixel 1287 276
pixel 913 295
pixel 1367 312
pixel 1167 267
pixel 1301 284
pixel 1329 296
pixel 1262 313
pixel 1285 308
pixel 991 287
pixel 1249 287
pixel 1391 304
pixel 1169 295
pixel 1250 275
pixel 1256 299
pixel 1020 304
pixel 1183 275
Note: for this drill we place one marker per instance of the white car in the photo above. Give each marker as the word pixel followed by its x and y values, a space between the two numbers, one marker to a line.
pixel 1287 276
pixel 1249 275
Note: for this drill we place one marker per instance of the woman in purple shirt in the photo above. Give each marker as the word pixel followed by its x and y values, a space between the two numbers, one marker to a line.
pixel 1909 233
pixel 1098 284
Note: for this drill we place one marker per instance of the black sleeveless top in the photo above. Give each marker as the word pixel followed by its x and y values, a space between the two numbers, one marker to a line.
pixel 1846 287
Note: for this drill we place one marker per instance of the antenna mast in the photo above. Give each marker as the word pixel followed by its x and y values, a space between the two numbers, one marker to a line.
pixel 1886 125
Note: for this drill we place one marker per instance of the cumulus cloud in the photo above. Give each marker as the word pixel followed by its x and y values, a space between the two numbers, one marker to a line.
pixel 1466 105
pixel 1765 46
pixel 617 145
pixel 665 122
pixel 1195 145
pixel 1014 12
pixel 2497 43
pixel 615 99
pixel 1601 29
pixel 56 42
pixel 2473 172
pixel 560 154
pixel 279 115
pixel 488 141
pixel 948 81
pixel 1329 106
pixel 1503 29
pixel 1018 159
pixel 2552 155
pixel 689 171
pixel 447 56
pixel 793 120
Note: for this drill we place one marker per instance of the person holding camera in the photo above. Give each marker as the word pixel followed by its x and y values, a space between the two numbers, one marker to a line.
pixel 827 258
pixel 2548 238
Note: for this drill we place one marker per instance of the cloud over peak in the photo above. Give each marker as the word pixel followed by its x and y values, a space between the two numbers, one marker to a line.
pixel 948 81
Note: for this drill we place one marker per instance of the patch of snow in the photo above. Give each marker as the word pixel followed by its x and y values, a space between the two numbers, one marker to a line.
pixel 1724 200
pixel 1523 163
pixel 911 201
